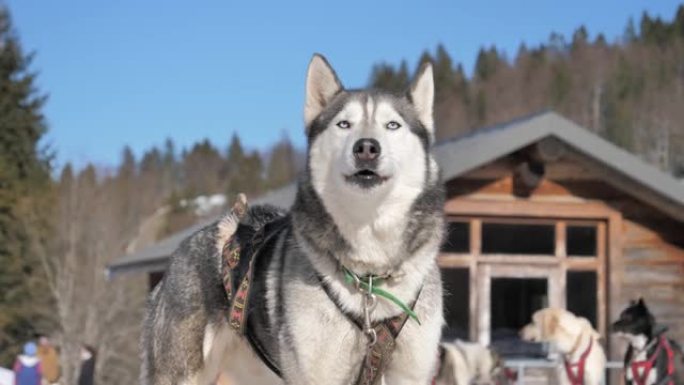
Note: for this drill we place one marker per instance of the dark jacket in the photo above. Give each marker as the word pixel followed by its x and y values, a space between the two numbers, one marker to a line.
pixel 87 376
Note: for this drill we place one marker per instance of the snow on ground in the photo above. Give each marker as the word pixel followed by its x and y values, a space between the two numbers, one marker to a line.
pixel 203 205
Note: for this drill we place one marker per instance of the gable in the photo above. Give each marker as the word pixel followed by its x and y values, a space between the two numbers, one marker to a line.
pixel 550 135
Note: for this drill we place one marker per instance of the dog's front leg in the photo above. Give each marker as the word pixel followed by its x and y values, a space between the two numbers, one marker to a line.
pixel 415 359
pixel 419 373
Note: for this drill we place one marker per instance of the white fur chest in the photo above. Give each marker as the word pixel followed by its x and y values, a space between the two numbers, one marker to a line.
pixel 638 343
pixel 375 246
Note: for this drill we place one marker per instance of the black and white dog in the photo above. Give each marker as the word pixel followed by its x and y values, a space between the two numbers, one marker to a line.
pixel 652 358
pixel 321 293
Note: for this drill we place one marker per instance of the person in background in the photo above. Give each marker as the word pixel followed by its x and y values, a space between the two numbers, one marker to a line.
pixel 87 375
pixel 49 360
pixel 27 369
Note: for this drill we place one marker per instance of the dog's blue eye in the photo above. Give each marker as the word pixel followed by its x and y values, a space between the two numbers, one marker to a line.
pixel 393 125
pixel 343 124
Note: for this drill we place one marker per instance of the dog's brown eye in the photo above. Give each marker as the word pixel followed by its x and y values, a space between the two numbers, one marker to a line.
pixel 393 125
pixel 343 124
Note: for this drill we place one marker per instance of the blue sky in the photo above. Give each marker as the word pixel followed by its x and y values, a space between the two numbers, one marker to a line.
pixel 134 72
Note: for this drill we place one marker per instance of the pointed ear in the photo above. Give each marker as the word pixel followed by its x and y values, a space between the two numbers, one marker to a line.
pixel 422 95
pixel 321 85
pixel 641 302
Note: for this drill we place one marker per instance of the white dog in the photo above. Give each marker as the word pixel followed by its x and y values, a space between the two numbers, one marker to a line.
pixel 575 339
pixel 464 363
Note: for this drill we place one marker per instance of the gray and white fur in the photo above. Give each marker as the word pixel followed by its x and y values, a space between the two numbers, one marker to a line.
pixel 370 200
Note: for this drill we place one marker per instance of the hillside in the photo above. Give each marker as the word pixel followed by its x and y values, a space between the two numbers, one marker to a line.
pixel 630 91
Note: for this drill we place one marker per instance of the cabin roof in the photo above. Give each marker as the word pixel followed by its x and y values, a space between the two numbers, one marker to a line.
pixel 464 153
pixel 467 152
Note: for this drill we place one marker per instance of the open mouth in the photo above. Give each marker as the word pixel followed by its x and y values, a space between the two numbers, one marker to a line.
pixel 366 178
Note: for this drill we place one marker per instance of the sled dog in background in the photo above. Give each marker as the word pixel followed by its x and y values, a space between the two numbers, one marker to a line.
pixel 651 357
pixel 465 363
pixel 575 339
pixel 367 216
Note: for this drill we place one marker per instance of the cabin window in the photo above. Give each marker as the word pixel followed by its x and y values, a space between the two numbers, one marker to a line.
pixel 457 238
pixel 516 238
pixel 521 264
pixel 514 300
pixel 581 294
pixel 581 240
pixel 456 287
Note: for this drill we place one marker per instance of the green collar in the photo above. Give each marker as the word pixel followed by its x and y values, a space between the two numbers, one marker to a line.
pixel 373 282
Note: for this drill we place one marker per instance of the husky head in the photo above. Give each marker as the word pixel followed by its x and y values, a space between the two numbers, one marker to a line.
pixel 636 323
pixel 368 153
pixel 367 146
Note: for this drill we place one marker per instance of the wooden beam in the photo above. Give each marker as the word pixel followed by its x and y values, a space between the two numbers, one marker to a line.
pixel 561 246
pixel 615 272
pixel 446 260
pixel 601 240
pixel 475 237
pixel 582 263
pixel 475 249
pixel 525 208
pixel 518 259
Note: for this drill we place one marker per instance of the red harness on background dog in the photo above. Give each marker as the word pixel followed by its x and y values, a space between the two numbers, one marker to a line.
pixel 647 365
pixel 579 378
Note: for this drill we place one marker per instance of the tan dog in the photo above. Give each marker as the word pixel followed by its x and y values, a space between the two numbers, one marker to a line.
pixel 464 363
pixel 575 339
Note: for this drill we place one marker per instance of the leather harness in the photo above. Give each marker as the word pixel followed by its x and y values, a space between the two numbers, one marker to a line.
pixel 238 280
pixel 648 364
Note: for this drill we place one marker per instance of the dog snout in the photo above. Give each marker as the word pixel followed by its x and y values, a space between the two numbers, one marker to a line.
pixel 366 149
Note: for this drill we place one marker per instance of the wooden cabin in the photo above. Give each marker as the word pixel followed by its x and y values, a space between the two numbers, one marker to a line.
pixel 541 212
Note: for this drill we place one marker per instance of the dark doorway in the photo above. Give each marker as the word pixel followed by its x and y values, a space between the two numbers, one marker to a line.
pixel 582 294
pixel 513 302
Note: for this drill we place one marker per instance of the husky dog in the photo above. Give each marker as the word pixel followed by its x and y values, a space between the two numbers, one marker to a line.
pixel 464 363
pixel 575 339
pixel 650 358
pixel 370 204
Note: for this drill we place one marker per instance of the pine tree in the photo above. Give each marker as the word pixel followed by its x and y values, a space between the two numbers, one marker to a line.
pixel 445 78
pixel 171 179
pixel 385 77
pixel 630 34
pixel 282 167
pixel 234 168
pixel 24 176
pixel 203 166
pixel 487 63
pixel 251 174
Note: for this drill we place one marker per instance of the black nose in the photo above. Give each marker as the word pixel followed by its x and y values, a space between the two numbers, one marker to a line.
pixel 366 149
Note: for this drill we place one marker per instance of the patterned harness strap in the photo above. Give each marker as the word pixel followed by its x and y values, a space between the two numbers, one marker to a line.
pixel 387 331
pixel 648 364
pixel 231 259
pixel 238 279
pixel 378 355
pixel 578 379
